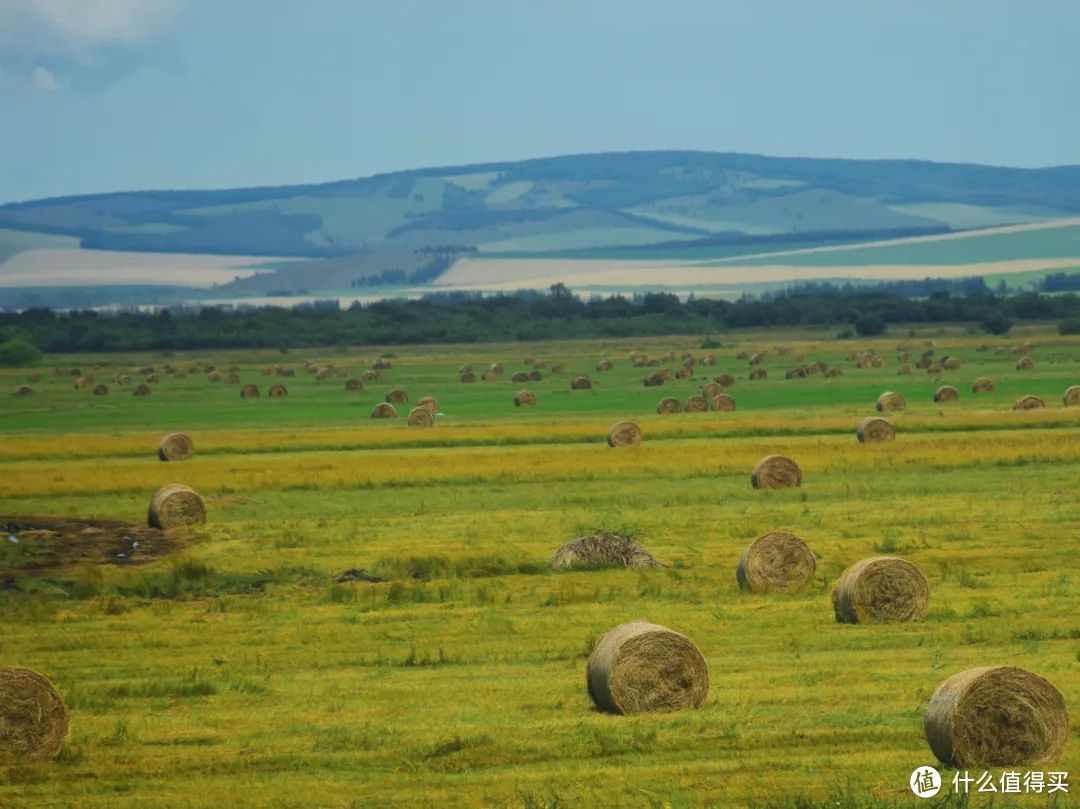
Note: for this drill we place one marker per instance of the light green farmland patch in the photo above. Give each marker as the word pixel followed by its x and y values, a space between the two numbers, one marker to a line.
pixel 150 227
pixel 472 182
pixel 960 216
pixel 586 237
pixel 508 192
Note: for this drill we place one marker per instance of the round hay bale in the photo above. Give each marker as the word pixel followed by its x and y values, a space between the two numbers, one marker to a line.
pixel 1025 364
pixel 778 561
pixel 709 359
pixel 603 365
pixel 421 416
pixel 537 364
pixel 353 384
pixel 696 404
pixel 1029 403
pixel 558 368
pixel 286 372
pixel 923 363
pixel 996 716
pixel 759 373
pixel 121 379
pixel 311 367
pixel 669 405
pixel 684 372
pixel 776 472
pixel 603 549
pixel 712 390
pixel 215 376
pixel 249 391
pixel 397 396
pixel 816 368
pixel 176 447
pixel 725 380
pixel 232 379
pixel 175 506
pixel 654 381
pixel 873 429
pixel 464 369
pixel 495 368
pixel 430 402
pixel 382 364
pixel 535 376
pixel 488 376
pixel 950 363
pixel 881 589
pixel 905 369
pixel 277 392
pixel 33 717
pixel 665 374
pixel 624 434
pixel 946 393
pixel 323 373
pixel 84 382
pixel 369 376
pixel 890 402
pixel 1071 397
pixel 757 359
pixel 270 370
pixel 235 369
pixel 640 362
pixel 142 390
pixel 153 379
pixel 581 383
pixel 795 373
pixel 101 390
pixel 146 369
pixel 384 410
pixel 642 667
pixel 468 378
pixel 723 403
pixel 877 361
pixel 982 385
pixel 688 361
pixel 519 378
pixel 524 398
pixel 24 390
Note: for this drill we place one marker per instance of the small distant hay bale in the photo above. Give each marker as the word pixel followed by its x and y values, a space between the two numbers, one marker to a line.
pixel 696 404
pixel 524 398
pixel 24 390
pixel 723 403
pixel 84 382
pixel 175 506
pixel 215 376
pixel 923 363
pixel 397 396
pixel 369 376
pixel 581 383
pixel 816 368
pixel 776 472
pixel 270 370
pixel 890 402
pixel 286 372
pixel 905 369
pixel 558 368
pixel 757 359
pixel 232 379
pixel 795 373
pixel 353 384
pixel 519 378
pixel 421 416
pixel 881 589
pixel 725 380
pixel 873 429
pixel 323 373
pixel 101 390
pixel 603 549
pixel 495 368
pixel 249 391
pixel 759 373
pixel 489 376
pixel 209 369
pixel 624 434
pixel 778 561
pixel 712 390
pixel 946 393
pixel 384 410
pixel 950 363
pixel 710 360
pixel 1029 403
pixel 688 360
pixel 640 667
pixel 603 365
pixel 176 447
pixel 146 369
pixel 464 369
pixel 468 378
pixel 33 717
pixel 311 367
pixel 33 377
pixel 277 392
pixel 877 361
pixel 640 362
pixel 996 716
pixel 535 375
pixel 935 368
pixel 538 364
pixel 1025 364
pixel 235 369
pixel 669 405
pixel 153 379
pixel 142 390
pixel 382 364
pixel 684 372
pixel 1071 398
pixel 982 385
pixel 653 381
pixel 430 402
pixel 122 379
pixel 665 374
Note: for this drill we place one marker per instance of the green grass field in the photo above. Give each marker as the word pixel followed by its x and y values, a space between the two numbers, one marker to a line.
pixel 236 671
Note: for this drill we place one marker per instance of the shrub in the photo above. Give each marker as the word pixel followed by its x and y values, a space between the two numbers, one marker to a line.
pixel 1071 326
pixel 869 325
pixel 19 354
pixel 996 324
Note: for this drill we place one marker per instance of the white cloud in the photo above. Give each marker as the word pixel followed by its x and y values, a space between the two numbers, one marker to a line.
pixel 43 79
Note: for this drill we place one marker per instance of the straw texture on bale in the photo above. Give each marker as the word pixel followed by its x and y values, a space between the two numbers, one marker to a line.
pixel 723 403
pixel 1025 364
pixel 397 396
pixel 669 405
pixel 776 472
pixel 923 363
pixel 982 385
pixel 725 380
pixel 381 365
pixel 874 428
pixel 141 390
pixel 946 393
pixel 696 404
pixel 175 506
pixel 950 363
pixel 935 368
pixel 881 589
pixel 146 369
pixel 890 402
pixel 712 390
pixel 277 391
pixel 468 377
pixel 249 391
pixel 624 434
pixel 603 365
pixel 524 398
pixel 430 402
pixel 641 667
pixel 33 717
pixel 778 561
pixel 369 376
pixel 759 373
pixel 996 716
pixel 654 381
pixel 581 383
pixel 101 390
pixel 1029 403
pixel 684 372
pixel 421 416
pixel 603 549
pixel 487 376
pixel 176 447
pixel 354 384
pixel 1071 397
pixel 384 410
pixel 24 390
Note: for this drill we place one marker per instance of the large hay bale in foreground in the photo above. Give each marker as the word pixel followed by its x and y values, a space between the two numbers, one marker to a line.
pixel 397 396
pixel 669 405
pixel 624 434
pixel 890 402
pixel 1025 364
pixel 776 472
pixel 1071 397
pixel 353 385
pixel 142 390
pixel 249 391
pixel 175 506
pixel 1029 403
pixel 384 410
pixel 642 667
pixel 176 447
pixel 101 390
pixel 581 383
pixel 603 549
pixel 881 589
pixel 946 393
pixel 873 429
pixel 996 716
pixel 468 378
pixel 696 404
pixel 33 717
pixel 277 392
pixel 421 416
pixel 24 390
pixel 982 385
pixel 778 561
pixel 722 402
pixel 524 398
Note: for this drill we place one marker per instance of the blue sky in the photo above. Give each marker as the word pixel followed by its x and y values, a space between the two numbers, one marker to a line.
pixel 106 95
